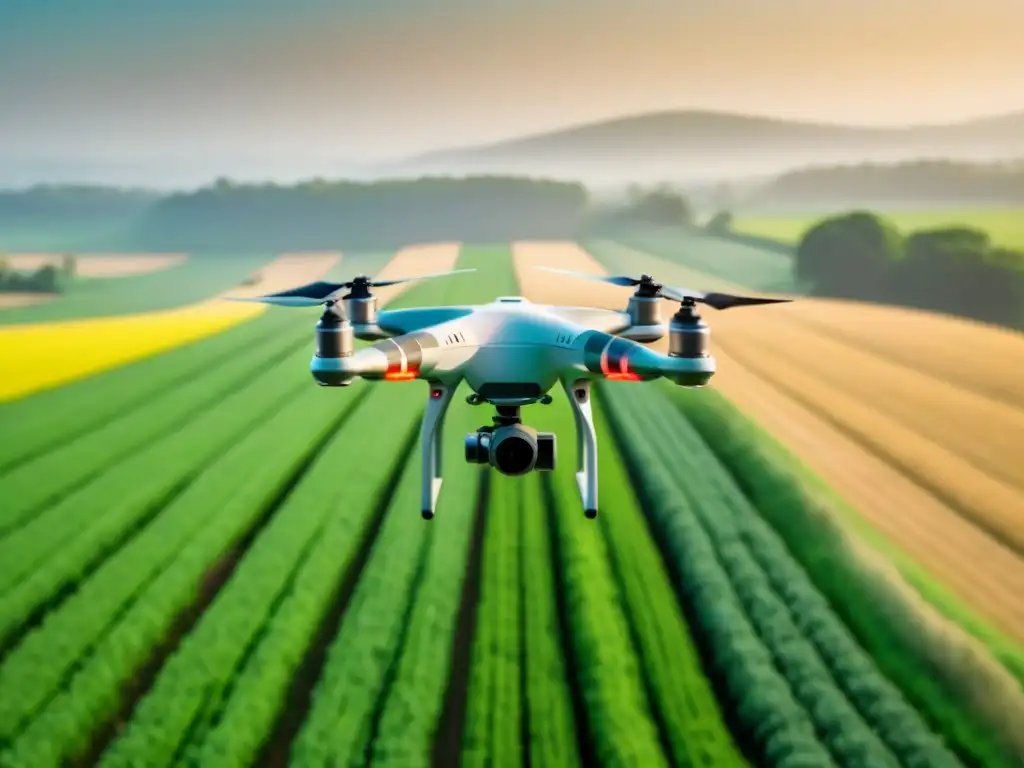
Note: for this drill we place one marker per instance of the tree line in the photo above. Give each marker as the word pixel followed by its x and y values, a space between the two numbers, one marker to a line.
pixel 935 181
pixel 330 214
pixel 958 270
pixel 49 278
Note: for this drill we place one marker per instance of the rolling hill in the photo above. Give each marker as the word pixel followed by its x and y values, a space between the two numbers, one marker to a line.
pixel 694 146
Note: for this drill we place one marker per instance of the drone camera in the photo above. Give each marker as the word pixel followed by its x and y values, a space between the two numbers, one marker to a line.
pixel 514 449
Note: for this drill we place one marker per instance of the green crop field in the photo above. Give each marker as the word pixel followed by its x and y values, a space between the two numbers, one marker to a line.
pixel 1005 225
pixel 208 560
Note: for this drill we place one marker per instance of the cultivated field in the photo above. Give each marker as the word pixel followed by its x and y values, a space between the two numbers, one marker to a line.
pixel 937 470
pixel 211 561
pixel 1006 226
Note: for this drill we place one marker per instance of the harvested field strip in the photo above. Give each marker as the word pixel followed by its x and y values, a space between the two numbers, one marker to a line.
pixel 990 504
pixel 740 579
pixel 945 674
pixel 241 654
pixel 47 420
pixel 973 357
pixel 496 707
pixel 620 717
pixel 890 507
pixel 49 477
pixel 61 546
pixel 95 265
pixel 988 435
pixel 146 585
pixel 981 358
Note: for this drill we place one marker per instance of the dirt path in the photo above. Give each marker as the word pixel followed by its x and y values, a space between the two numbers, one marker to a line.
pixel 985 573
pixel 13 300
pixel 101 265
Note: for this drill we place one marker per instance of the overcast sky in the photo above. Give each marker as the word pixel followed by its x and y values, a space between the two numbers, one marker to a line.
pixel 297 81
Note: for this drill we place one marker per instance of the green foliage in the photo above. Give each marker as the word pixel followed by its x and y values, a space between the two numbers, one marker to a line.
pixel 876 184
pixel 495 708
pixel 29 487
pixel 658 206
pixel 186 703
pixel 49 278
pixel 940 687
pixel 774 639
pixel 852 255
pixel 959 270
pixel 680 692
pixel 320 214
pixel 609 675
pixel 550 722
pixel 45 421
pixel 952 269
pixel 720 223
pixel 167 562
pixel 63 544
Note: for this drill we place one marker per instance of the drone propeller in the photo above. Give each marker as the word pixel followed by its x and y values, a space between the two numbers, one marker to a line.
pixel 650 289
pixel 322 292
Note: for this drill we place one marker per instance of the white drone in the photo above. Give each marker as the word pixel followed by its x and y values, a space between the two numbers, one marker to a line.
pixel 510 352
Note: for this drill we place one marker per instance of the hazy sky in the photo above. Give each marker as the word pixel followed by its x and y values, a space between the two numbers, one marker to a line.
pixel 297 81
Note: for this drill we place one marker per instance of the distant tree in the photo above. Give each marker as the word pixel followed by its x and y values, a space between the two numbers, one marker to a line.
pixel 720 223
pixel 68 266
pixel 959 270
pixel 851 255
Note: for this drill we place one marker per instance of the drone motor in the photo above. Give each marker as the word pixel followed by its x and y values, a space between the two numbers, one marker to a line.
pixel 334 340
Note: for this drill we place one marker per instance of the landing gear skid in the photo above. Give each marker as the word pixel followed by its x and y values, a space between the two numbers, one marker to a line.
pixel 586 444
pixel 438 400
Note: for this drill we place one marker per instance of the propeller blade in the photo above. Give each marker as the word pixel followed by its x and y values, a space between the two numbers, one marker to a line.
pixel 410 279
pixel 620 280
pixel 726 300
pixel 304 296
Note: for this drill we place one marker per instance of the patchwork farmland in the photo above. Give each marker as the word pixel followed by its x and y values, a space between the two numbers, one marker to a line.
pixel 210 561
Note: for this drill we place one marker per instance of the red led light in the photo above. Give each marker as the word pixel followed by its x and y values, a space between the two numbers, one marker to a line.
pixel 435 393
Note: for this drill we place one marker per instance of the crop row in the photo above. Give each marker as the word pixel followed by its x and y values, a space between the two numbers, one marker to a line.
pixel 744 585
pixel 382 688
pixel 75 664
pixel 944 679
pixel 411 708
pixel 620 721
pixel 519 704
pixel 37 483
pixel 48 419
pixel 243 650
pixel 495 707
pixel 692 720
pixel 64 544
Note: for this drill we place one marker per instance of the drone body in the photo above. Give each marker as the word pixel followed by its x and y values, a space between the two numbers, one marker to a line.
pixel 510 353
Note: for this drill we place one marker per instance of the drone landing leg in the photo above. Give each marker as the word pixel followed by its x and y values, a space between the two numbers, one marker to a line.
pixel 430 445
pixel 586 444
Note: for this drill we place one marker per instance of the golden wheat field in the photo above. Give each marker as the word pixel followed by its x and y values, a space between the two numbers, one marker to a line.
pixel 869 426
